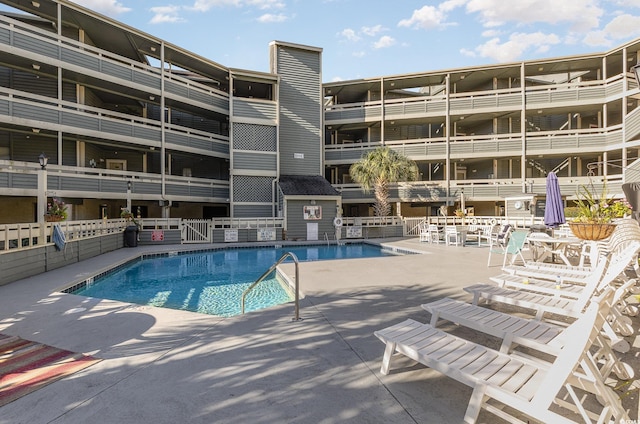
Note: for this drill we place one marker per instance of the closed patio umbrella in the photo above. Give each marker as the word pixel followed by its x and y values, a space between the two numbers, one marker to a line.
pixel 554 207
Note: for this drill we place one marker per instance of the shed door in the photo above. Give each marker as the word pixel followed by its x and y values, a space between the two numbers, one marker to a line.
pixel 312 231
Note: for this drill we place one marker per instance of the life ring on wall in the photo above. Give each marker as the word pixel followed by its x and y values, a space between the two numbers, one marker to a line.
pixel 337 221
pixel 493 221
pixel 474 221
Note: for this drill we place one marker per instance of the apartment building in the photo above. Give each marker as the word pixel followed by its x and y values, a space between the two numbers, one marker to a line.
pixel 129 120
pixel 489 133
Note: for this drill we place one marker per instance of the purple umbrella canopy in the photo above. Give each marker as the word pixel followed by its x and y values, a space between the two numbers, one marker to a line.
pixel 554 206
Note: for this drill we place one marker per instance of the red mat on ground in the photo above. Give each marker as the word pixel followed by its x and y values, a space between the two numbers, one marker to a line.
pixel 27 366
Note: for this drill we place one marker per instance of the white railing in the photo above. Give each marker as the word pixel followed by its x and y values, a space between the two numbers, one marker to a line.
pixel 29 235
pixel 518 222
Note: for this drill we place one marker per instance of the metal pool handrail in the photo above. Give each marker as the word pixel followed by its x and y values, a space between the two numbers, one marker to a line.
pixel 269 271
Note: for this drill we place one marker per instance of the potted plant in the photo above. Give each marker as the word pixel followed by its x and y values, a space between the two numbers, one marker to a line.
pixel 595 214
pixel 56 211
pixel 459 213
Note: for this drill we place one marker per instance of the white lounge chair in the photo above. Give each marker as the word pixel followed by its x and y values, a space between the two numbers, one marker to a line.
pixel 524 385
pixel 569 306
pixel 514 330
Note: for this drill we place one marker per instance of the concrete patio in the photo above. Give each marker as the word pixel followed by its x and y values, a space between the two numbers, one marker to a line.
pixel 167 366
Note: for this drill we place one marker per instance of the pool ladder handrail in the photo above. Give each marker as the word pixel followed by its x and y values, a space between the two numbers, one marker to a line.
pixel 269 271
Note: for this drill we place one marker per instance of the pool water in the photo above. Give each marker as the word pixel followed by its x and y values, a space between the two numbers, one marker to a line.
pixel 212 282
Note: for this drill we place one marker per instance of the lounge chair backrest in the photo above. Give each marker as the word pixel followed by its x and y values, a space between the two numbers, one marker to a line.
pixel 582 333
pixel 617 262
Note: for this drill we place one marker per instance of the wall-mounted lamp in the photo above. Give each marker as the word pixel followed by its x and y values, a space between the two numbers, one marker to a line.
pixel 35 67
pixel 152 97
pixel 152 48
pixel 44 160
pixel 35 130
pixel 129 185
pixel 35 4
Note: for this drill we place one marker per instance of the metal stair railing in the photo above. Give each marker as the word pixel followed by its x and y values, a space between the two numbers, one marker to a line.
pixel 269 271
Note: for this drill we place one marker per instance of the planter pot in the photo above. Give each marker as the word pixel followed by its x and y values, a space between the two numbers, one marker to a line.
pixel 53 218
pixel 589 231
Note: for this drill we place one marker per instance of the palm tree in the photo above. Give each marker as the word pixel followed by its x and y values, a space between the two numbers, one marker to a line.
pixel 379 168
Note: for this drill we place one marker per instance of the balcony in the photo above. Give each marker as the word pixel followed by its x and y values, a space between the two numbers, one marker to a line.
pixel 478 190
pixel 21 178
pixel 17 38
pixel 552 95
pixel 36 111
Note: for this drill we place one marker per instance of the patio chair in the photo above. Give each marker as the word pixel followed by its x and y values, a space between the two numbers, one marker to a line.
pixel 514 245
pixel 452 235
pixel 424 233
pixel 484 233
pixel 435 234
pixel 525 386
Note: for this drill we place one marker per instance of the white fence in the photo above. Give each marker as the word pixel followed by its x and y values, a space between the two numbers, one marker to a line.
pixel 29 235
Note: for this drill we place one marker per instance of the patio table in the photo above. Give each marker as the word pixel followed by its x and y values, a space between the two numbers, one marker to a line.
pixel 544 246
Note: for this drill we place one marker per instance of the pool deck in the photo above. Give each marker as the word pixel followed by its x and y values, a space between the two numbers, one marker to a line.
pixel 166 366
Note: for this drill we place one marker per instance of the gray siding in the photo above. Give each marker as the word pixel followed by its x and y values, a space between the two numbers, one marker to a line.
pixel 297 226
pixel 253 149
pixel 250 109
pixel 252 211
pixel 300 110
pixel 256 161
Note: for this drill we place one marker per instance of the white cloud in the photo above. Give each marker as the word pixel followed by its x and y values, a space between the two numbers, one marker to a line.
pixel 467 52
pixel 269 18
pixel 619 28
pixel 349 34
pixel 425 18
pixel 108 7
pixel 166 14
pixel 581 15
pixel 514 48
pixel 266 4
pixel 371 31
pixel 627 3
pixel 383 42
pixel 491 33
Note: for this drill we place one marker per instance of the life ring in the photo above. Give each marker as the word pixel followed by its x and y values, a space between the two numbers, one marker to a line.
pixel 337 221
pixel 474 221
pixel 493 221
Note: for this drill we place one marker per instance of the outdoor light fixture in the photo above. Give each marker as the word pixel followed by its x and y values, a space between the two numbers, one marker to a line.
pixel 129 185
pixel 44 160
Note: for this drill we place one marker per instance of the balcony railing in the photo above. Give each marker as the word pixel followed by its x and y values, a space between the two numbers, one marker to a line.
pixel 588 92
pixel 69 181
pixel 480 189
pixel 47 113
pixel 19 38
pixel 567 141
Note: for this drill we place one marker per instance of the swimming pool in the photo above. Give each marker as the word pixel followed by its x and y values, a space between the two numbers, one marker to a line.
pixel 211 282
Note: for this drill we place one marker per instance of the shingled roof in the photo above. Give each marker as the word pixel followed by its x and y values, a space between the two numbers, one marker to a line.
pixel 306 185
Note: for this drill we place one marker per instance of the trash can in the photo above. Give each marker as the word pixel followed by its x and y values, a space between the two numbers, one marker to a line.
pixel 131 236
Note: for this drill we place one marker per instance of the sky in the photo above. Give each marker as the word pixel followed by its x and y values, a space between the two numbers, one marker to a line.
pixel 371 38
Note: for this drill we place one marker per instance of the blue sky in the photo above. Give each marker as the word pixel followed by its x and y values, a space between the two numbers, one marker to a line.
pixel 369 38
